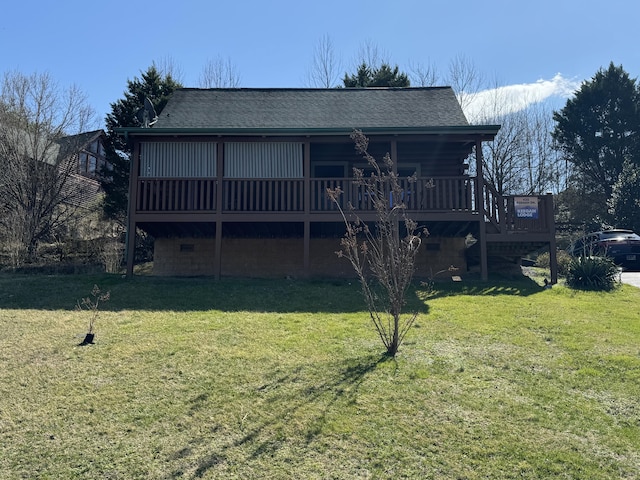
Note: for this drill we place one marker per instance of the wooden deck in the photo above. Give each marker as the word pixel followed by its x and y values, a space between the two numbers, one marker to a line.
pixel 242 195
pixel 504 227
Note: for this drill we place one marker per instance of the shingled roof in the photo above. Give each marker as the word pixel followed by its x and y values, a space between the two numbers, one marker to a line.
pixel 72 144
pixel 311 109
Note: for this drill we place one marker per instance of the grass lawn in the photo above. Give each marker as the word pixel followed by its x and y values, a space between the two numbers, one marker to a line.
pixel 192 378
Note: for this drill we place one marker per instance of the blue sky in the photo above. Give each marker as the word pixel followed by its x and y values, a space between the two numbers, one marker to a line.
pixel 98 46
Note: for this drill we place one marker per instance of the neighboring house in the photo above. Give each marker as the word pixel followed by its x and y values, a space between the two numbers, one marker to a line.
pixel 71 164
pixel 232 182
pixel 86 152
pixel 88 149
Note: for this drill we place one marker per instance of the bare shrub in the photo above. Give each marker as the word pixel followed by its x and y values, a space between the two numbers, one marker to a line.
pixel 382 257
pixel 92 306
pixel 563 261
pixel 112 255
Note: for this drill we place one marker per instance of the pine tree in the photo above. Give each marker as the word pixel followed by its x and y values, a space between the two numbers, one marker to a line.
pixel 157 88
pixel 383 76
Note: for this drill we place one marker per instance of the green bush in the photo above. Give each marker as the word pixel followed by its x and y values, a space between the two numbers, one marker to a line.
pixel 592 273
pixel 563 259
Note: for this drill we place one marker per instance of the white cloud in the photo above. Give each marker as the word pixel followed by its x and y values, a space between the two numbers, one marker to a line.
pixel 513 98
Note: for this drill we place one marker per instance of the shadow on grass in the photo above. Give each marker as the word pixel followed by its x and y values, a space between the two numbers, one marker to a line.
pixel 61 292
pixel 517 286
pixel 299 395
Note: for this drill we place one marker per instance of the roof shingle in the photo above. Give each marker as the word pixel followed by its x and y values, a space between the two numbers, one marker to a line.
pixel 339 108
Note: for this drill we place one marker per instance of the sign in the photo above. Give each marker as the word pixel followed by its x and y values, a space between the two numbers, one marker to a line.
pixel 526 207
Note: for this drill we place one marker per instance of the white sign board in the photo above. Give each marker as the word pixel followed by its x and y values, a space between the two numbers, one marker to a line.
pixel 526 207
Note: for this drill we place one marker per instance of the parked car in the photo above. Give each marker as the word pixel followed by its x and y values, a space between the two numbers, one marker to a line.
pixel 623 246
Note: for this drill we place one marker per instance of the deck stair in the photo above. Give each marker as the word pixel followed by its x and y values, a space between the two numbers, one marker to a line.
pixel 515 226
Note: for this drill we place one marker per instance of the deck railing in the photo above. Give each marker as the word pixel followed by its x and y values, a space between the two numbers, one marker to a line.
pixel 439 194
pixel 503 213
pixel 542 222
pixel 432 194
pixel 176 195
pixel 262 195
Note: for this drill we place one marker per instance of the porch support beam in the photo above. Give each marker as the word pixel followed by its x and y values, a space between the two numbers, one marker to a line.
pixel 217 252
pixel 394 154
pixel 484 267
pixel 307 208
pixel 553 255
pixel 131 208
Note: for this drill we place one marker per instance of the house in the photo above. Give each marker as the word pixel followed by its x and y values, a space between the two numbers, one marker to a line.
pixel 88 149
pixel 232 182
pixel 86 156
pixel 45 190
pixel 66 169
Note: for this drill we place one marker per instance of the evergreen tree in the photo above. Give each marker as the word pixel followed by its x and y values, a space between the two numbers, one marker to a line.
pixel 383 76
pixel 625 199
pixel 598 130
pixel 157 88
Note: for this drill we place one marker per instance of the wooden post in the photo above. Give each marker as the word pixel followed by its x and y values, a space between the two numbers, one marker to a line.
pixel 484 267
pixel 394 155
pixel 553 254
pixel 217 260
pixel 307 208
pixel 132 207
pixel 394 159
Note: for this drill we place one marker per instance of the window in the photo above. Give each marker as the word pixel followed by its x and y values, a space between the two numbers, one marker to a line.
pixel 329 171
pixel 404 171
pixel 92 165
pixel 82 162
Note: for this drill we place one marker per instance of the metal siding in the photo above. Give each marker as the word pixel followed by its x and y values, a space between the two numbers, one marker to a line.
pixel 263 160
pixel 178 159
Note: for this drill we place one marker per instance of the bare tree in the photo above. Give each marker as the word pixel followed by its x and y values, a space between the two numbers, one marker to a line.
pixel 370 57
pixel 219 73
pixel 545 168
pixel 371 54
pixel 424 75
pixel 325 67
pixel 382 257
pixel 168 67
pixel 465 79
pixel 521 159
pixel 39 190
pixel 503 158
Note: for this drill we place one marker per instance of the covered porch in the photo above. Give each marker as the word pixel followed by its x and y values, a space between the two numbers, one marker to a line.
pixel 464 203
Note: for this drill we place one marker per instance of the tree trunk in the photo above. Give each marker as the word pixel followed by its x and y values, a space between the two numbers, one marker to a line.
pixel 392 349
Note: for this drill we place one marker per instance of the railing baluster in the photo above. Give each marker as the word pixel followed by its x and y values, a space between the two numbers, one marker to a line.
pixel 141 203
pixel 158 196
pixel 286 195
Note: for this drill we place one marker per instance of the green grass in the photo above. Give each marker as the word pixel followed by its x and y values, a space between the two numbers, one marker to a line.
pixel 192 378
